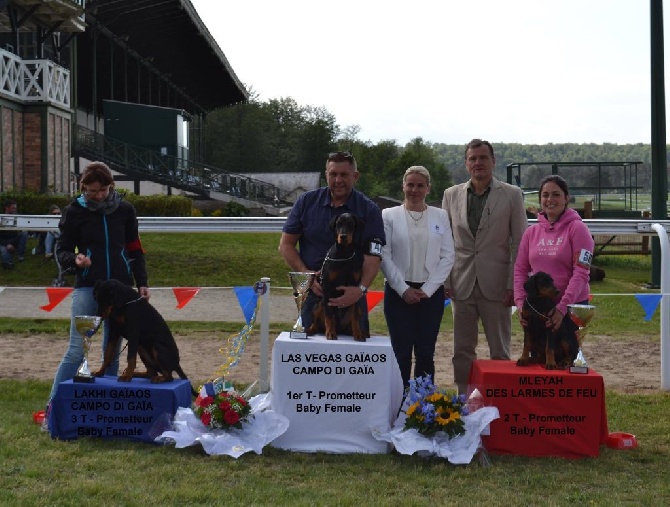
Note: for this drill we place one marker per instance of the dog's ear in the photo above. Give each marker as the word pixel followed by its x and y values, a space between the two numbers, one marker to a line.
pixel 96 289
pixel 531 286
pixel 333 222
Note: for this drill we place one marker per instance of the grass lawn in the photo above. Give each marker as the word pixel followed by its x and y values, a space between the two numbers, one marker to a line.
pixel 39 471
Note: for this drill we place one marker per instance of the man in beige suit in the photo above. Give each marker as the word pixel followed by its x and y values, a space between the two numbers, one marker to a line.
pixel 487 219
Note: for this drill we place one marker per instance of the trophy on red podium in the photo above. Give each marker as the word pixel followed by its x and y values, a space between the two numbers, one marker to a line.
pixel 581 315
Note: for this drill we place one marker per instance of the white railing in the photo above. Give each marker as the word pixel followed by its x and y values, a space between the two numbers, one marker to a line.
pixel 34 80
pixel 274 224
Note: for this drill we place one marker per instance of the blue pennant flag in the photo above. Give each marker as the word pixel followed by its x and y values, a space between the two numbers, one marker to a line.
pixel 247 298
pixel 649 303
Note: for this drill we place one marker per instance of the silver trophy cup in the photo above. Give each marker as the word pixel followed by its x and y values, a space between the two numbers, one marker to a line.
pixel 301 282
pixel 581 315
pixel 87 326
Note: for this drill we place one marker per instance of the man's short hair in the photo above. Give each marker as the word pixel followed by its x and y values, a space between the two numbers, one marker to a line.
pixel 342 156
pixel 476 143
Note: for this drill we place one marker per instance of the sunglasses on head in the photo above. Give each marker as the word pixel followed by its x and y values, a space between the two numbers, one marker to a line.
pixel 340 156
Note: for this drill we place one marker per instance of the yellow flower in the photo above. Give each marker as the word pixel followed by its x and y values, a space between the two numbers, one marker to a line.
pixel 435 397
pixel 442 421
pixel 412 409
pixel 454 416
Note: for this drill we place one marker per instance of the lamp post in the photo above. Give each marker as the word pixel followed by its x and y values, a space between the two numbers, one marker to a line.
pixel 659 166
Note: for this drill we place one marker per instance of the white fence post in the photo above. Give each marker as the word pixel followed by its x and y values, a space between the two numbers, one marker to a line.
pixel 265 337
pixel 665 305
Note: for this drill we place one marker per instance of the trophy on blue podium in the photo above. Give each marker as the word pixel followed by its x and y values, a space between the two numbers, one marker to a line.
pixel 87 326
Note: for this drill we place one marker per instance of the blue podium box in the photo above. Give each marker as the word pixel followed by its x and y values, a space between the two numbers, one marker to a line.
pixel 136 410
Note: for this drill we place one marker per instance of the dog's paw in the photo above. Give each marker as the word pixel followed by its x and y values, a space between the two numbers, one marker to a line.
pixel 125 377
pixel 331 336
pixel 523 361
pixel 99 373
pixel 360 338
pixel 551 366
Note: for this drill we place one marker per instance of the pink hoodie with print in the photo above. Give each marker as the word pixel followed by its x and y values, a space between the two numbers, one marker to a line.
pixel 564 250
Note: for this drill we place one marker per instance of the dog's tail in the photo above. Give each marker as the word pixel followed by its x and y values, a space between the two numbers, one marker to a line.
pixel 183 376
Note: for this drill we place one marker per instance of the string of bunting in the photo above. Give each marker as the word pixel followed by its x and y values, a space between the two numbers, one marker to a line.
pixel 250 302
pixel 55 295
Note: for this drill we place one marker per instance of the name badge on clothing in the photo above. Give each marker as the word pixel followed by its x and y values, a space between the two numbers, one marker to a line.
pixel 584 258
pixel 437 228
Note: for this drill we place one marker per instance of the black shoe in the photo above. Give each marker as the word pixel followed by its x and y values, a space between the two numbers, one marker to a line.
pixel 8 265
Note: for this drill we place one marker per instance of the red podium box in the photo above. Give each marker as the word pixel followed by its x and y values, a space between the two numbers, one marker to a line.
pixel 542 412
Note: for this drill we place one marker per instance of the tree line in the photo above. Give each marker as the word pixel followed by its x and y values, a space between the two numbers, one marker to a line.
pixel 280 135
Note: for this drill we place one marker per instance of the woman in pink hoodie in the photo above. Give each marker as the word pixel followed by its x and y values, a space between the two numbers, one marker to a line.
pixel 561 245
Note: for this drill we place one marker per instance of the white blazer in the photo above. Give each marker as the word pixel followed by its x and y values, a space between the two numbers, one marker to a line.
pixel 395 254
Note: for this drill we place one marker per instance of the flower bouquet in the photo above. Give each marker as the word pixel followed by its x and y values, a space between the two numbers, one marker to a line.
pixel 434 423
pixel 223 410
pixel 225 422
pixel 430 410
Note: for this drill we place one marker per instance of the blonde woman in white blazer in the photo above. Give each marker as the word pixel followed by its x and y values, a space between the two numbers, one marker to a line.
pixel 416 260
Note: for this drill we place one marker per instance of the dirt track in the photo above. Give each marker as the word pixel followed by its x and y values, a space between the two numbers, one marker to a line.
pixel 627 366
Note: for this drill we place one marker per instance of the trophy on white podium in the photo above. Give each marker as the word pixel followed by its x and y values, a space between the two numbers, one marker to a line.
pixel 301 282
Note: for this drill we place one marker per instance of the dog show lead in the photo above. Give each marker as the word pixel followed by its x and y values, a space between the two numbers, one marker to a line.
pixel 99 239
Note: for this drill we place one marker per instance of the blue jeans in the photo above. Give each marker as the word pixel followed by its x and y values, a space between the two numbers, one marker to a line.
pixel 83 303
pixel 49 242
pixel 19 244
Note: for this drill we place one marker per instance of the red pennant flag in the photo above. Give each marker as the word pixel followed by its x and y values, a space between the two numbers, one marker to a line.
pixel 184 295
pixel 374 297
pixel 55 295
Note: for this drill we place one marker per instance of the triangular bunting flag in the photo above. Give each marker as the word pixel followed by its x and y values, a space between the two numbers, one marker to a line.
pixel 374 297
pixel 247 298
pixel 649 302
pixel 184 295
pixel 55 295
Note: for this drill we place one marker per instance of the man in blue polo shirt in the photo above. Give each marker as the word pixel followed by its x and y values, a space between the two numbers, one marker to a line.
pixel 306 236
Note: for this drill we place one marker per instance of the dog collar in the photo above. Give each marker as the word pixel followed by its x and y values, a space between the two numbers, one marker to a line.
pixel 339 260
pixel 537 312
pixel 330 259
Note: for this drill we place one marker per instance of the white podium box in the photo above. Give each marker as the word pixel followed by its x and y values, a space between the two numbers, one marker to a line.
pixel 334 391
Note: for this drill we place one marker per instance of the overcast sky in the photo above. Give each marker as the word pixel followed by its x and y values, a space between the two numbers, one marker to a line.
pixel 516 71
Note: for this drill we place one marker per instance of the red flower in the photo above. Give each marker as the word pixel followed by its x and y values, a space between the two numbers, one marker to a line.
pixel 224 405
pixel 242 401
pixel 204 402
pixel 231 417
pixel 206 418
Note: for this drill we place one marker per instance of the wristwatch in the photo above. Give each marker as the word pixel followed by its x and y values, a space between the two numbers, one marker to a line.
pixel 363 288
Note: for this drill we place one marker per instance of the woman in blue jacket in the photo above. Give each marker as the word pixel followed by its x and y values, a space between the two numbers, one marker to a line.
pixel 99 238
